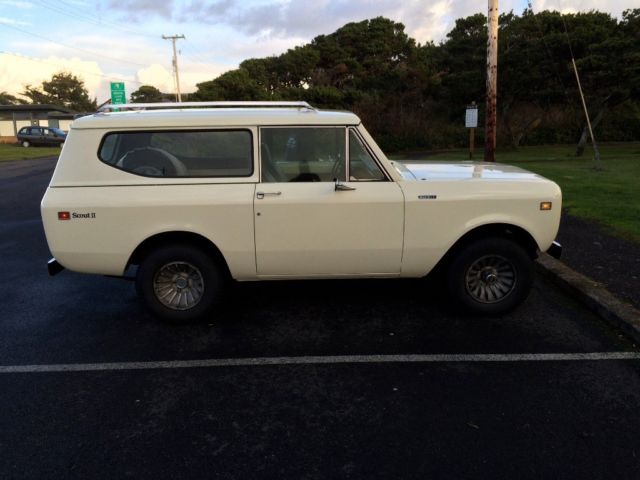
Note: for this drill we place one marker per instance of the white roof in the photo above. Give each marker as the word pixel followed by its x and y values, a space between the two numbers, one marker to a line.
pixel 214 117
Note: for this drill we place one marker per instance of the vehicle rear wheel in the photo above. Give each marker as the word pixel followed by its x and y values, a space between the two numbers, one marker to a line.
pixel 179 283
pixel 490 276
pixel 26 143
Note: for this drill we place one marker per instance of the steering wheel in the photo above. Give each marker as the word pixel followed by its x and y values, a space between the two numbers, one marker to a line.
pixel 143 155
pixel 148 171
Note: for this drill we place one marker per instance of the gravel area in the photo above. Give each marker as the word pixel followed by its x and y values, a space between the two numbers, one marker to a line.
pixel 592 251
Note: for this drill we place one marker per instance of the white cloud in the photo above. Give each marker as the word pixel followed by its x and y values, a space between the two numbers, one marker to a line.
pixel 16 72
pixel 220 34
pixel 291 19
pixel 11 21
pixel 17 4
pixel 264 46
pixel 156 76
pixel 78 3
pixel 615 7
pixel 295 20
pixel 191 73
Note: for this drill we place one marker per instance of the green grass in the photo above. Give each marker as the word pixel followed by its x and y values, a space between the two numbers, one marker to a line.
pixel 18 152
pixel 610 196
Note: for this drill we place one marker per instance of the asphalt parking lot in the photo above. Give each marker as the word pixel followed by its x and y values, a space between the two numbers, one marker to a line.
pixel 306 380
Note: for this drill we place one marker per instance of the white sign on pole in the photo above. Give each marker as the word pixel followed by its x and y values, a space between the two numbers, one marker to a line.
pixel 471 117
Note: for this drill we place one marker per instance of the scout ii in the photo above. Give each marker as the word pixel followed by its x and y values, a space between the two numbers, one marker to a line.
pixel 192 195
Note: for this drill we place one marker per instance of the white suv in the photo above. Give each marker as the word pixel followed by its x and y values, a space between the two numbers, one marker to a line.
pixel 194 197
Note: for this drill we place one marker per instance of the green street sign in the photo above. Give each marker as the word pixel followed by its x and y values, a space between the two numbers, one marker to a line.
pixel 118 95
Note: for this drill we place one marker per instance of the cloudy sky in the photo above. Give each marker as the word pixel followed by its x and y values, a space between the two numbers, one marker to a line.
pixel 120 40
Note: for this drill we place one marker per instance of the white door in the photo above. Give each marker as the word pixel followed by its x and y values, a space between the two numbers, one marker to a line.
pixel 307 226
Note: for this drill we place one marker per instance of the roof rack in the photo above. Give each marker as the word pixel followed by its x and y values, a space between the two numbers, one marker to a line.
pixel 180 105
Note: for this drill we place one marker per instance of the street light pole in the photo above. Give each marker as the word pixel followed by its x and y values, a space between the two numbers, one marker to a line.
pixel 492 83
pixel 173 39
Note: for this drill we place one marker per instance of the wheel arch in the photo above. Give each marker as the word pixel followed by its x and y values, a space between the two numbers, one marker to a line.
pixel 508 231
pixel 167 238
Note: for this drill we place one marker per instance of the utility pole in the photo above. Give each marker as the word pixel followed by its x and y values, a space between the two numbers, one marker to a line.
pixel 492 83
pixel 173 39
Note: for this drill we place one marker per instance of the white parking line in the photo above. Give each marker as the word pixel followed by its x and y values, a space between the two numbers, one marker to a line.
pixel 320 360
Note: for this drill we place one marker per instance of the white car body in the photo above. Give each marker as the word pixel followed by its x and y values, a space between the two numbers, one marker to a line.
pixel 401 227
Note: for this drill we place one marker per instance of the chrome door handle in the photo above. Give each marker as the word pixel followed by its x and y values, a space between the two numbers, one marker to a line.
pixel 261 195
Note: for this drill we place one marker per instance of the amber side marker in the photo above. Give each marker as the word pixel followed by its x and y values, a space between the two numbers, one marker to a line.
pixel 545 205
pixel 64 216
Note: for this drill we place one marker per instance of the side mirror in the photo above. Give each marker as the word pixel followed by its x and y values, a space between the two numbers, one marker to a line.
pixel 341 187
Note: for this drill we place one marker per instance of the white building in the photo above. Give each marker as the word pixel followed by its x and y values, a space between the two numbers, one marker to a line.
pixel 14 117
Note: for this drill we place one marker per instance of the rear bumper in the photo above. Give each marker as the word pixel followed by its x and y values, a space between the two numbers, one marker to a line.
pixel 54 267
pixel 555 250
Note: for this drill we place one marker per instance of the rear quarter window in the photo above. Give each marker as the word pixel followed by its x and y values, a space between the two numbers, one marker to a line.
pixel 180 153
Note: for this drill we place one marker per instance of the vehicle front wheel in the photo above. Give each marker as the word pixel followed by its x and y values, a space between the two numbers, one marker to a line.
pixel 179 283
pixel 26 144
pixel 490 276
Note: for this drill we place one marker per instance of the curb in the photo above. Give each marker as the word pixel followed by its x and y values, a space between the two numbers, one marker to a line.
pixel 614 311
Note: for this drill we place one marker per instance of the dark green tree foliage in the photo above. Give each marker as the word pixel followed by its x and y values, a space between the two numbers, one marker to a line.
pixel 233 85
pixel 413 96
pixel 65 90
pixel 8 99
pixel 147 94
pixel 463 58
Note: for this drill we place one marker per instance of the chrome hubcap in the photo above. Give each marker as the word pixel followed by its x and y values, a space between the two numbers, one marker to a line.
pixel 490 279
pixel 178 285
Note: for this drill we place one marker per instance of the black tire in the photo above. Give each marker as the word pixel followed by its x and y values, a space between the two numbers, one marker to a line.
pixel 26 143
pixel 200 277
pixel 490 276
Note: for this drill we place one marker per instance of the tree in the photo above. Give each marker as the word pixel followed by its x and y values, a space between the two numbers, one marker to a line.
pixel 147 94
pixel 8 99
pixel 65 90
pixel 232 85
pixel 413 96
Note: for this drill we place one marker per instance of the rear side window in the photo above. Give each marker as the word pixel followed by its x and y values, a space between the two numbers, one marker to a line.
pixel 180 153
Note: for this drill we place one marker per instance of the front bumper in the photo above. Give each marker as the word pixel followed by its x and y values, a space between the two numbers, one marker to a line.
pixel 555 250
pixel 54 267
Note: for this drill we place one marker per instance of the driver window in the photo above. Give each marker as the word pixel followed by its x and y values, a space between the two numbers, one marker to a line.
pixel 297 154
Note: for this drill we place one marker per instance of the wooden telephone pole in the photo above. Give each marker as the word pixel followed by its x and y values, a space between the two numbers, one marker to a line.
pixel 492 83
pixel 173 39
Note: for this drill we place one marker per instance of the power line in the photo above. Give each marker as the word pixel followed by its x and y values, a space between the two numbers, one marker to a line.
pixel 197 54
pixel 72 47
pixel 194 56
pixel 88 18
